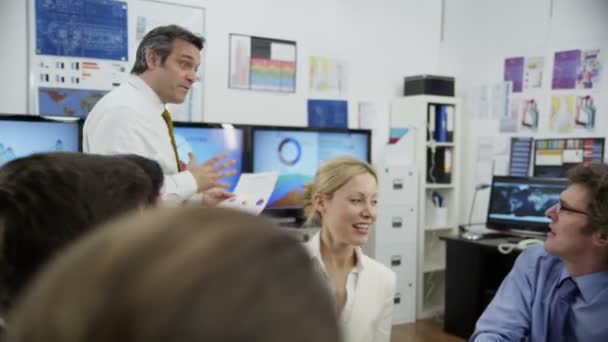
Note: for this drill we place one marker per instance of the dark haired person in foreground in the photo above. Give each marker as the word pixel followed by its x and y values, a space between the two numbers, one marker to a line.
pixel 49 200
pixel 154 172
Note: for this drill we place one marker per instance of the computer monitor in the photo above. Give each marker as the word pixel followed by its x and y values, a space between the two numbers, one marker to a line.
pixel 208 140
pixel 22 135
pixel 518 204
pixel 297 153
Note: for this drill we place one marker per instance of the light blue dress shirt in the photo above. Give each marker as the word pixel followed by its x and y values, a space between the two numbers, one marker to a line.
pixel 522 304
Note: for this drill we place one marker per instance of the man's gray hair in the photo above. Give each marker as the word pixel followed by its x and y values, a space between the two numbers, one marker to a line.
pixel 160 40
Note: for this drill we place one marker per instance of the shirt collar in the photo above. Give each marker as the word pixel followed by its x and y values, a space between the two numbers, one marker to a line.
pixel 315 250
pixel 150 95
pixel 590 285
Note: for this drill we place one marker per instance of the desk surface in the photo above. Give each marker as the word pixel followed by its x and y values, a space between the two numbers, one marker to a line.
pixel 474 271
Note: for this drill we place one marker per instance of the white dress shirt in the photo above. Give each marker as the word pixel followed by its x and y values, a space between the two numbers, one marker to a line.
pixel 351 279
pixel 129 120
pixel 370 290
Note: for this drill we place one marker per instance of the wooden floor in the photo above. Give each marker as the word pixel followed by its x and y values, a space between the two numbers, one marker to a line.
pixel 428 330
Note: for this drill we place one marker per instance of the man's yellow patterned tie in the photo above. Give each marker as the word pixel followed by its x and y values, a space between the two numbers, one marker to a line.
pixel 169 122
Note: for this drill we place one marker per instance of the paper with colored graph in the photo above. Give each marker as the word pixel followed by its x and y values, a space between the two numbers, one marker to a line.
pixel 252 192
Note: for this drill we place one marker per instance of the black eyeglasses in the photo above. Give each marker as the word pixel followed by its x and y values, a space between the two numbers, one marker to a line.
pixel 559 207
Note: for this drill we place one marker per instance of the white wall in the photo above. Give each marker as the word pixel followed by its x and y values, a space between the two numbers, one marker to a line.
pixel 13 59
pixel 383 41
pixel 480 34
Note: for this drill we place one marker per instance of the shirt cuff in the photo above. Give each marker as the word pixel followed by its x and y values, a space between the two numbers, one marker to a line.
pixel 178 188
pixel 189 183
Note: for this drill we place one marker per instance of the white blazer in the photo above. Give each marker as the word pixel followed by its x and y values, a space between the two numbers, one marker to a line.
pixel 370 319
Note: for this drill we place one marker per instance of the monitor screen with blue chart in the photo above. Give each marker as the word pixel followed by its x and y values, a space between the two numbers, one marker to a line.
pixel 209 140
pixel 22 135
pixel 297 154
pixel 520 203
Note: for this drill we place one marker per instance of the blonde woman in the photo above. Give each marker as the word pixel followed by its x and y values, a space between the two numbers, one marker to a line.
pixel 342 199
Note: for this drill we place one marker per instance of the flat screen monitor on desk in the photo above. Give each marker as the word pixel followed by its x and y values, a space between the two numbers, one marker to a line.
pixel 296 153
pixel 208 140
pixel 518 204
pixel 22 135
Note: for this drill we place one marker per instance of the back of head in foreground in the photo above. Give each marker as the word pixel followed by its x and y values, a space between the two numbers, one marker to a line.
pixel 49 200
pixel 179 275
pixel 153 170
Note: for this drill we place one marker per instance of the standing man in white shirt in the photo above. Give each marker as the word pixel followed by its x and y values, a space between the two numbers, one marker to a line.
pixel 133 117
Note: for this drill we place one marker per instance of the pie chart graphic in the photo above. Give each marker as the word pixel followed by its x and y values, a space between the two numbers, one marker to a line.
pixel 289 151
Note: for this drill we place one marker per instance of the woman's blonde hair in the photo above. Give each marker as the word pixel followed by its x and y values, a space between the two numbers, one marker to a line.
pixel 330 177
pixel 186 274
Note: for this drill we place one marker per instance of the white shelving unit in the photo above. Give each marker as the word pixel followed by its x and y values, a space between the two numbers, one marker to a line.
pixel 413 112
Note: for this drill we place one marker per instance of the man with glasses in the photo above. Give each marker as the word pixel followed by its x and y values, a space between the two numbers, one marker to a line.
pixel 559 292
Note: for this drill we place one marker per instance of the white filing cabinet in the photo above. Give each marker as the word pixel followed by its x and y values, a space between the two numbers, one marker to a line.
pixel 393 240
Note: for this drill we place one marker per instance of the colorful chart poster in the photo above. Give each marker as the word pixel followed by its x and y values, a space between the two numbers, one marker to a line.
pixel 588 75
pixel 585 113
pixel 82 28
pixel 262 64
pixel 565 67
pixel 327 75
pixel 520 155
pixel 533 72
pixel 68 102
pixel 561 119
pixel 514 72
pixel 529 113
pixel 328 113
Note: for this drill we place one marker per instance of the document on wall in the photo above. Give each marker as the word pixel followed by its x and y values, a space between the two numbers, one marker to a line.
pixel 252 192
pixel 400 147
pixel 368 115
